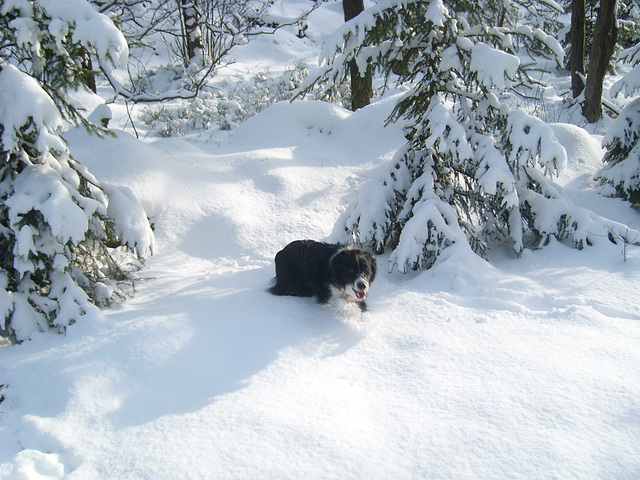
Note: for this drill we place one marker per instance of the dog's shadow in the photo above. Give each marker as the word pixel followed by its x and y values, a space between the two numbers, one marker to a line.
pixel 219 334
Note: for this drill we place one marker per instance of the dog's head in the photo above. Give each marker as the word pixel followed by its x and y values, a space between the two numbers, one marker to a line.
pixel 352 272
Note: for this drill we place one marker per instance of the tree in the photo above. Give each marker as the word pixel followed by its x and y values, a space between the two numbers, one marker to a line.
pixel 361 83
pixel 602 48
pixel 192 35
pixel 597 31
pixel 578 32
pixel 69 242
pixel 199 35
pixel 473 170
pixel 621 175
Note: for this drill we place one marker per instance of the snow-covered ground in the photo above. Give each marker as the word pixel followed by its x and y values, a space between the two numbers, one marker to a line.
pixel 518 368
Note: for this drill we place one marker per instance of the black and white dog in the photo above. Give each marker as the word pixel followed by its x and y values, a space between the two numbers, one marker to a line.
pixel 306 268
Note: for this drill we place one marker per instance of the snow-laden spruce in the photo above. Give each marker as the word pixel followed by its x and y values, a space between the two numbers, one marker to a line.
pixel 629 84
pixel 475 169
pixel 621 176
pixel 69 242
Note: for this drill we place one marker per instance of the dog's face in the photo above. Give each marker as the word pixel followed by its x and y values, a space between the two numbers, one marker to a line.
pixel 353 272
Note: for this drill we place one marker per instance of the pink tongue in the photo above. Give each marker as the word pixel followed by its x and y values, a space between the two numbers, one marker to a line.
pixel 360 294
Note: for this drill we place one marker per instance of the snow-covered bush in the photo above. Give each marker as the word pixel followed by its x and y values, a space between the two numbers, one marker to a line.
pixel 225 108
pixel 68 241
pixel 473 170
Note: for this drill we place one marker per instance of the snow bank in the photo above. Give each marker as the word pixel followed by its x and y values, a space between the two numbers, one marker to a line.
pixel 283 125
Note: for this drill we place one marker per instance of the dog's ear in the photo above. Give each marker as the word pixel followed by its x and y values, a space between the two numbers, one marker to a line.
pixel 368 258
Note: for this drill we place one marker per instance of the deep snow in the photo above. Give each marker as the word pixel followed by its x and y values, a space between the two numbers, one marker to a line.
pixel 519 368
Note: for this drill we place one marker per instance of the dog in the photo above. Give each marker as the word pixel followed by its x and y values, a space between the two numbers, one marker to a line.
pixel 306 268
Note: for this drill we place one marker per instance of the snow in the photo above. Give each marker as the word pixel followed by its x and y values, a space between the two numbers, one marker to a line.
pixel 623 170
pixel 492 65
pixel 514 368
pixel 525 133
pixel 628 84
pixel 39 187
pixel 21 100
pixel 90 28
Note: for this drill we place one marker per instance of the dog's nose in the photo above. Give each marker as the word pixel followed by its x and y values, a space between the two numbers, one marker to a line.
pixel 361 285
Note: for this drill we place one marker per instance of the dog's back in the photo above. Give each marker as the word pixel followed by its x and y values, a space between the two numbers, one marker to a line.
pixel 301 266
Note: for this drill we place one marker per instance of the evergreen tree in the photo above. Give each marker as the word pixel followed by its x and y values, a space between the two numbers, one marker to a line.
pixel 68 242
pixel 621 176
pixel 473 170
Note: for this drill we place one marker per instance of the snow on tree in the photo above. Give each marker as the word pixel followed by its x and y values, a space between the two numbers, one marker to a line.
pixel 621 176
pixel 51 41
pixel 629 83
pixel 474 170
pixel 68 243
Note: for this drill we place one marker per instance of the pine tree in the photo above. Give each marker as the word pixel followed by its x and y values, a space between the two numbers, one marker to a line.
pixel 473 170
pixel 622 141
pixel 69 242
pixel 621 176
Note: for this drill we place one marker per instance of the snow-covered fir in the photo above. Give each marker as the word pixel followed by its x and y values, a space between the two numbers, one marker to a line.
pixel 474 170
pixel 56 218
pixel 514 366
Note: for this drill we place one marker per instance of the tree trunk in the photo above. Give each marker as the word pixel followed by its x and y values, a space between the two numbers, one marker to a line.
pixel 88 77
pixel 577 46
pixel 361 85
pixel 605 33
pixel 192 34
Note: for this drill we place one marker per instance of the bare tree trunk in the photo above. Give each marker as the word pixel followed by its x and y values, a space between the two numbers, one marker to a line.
pixel 361 86
pixel 577 46
pixel 605 34
pixel 192 33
